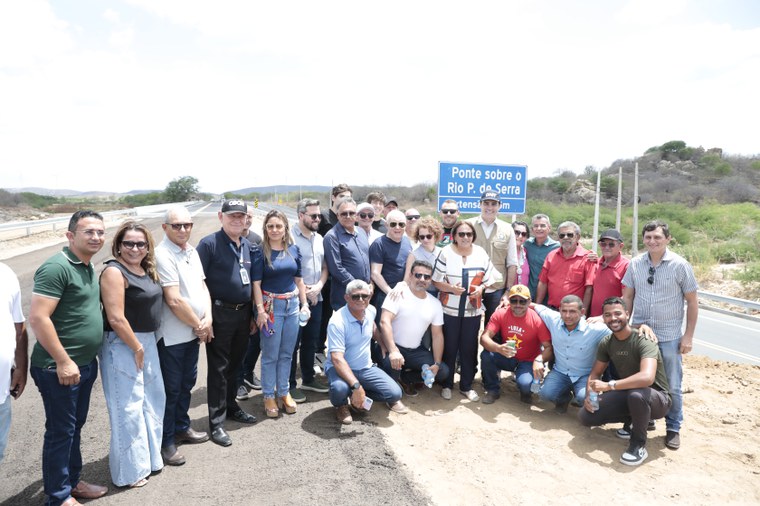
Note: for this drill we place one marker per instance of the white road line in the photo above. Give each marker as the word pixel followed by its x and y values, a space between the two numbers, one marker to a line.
pixel 723 322
pixel 727 350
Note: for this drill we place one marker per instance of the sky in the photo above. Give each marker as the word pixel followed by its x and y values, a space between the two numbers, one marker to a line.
pixel 113 95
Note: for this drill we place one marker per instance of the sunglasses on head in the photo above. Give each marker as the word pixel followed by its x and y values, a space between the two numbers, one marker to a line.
pixel 347 214
pixel 180 226
pixel 396 224
pixel 364 216
pixel 132 244
pixel 650 279
pixel 359 296
pixel 569 235
pixel 448 211
pixel 422 276
pixel 518 301
pixel 464 234
pixel 425 237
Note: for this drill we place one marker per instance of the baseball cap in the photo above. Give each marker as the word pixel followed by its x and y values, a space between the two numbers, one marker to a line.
pixel 611 234
pixel 519 291
pixel 490 195
pixel 365 206
pixel 391 200
pixel 234 206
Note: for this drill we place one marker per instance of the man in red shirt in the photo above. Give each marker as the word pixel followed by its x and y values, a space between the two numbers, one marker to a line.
pixel 566 270
pixel 610 269
pixel 511 341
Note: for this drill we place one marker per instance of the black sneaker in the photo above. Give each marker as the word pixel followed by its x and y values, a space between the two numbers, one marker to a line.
pixel 409 389
pixel 561 407
pixel 254 383
pixel 242 393
pixel 672 440
pixel 624 432
pixel 635 455
pixel 651 425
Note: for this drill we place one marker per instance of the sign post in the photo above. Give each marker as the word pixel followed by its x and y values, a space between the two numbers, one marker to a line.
pixel 465 182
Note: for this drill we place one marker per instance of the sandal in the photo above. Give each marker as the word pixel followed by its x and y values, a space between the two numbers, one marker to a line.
pixel 270 406
pixel 287 403
pixel 139 483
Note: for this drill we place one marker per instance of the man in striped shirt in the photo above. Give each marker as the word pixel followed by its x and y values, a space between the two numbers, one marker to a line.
pixel 655 287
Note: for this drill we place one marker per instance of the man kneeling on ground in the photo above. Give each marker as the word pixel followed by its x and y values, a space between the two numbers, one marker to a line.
pixel 349 368
pixel 641 394
pixel 511 342
pixel 404 321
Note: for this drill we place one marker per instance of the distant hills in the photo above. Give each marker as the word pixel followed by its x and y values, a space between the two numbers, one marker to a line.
pixel 97 194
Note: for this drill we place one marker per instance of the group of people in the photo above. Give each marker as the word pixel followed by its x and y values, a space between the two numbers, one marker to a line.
pixel 396 299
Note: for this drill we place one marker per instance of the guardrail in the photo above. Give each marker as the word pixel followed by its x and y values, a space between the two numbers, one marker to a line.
pixel 747 305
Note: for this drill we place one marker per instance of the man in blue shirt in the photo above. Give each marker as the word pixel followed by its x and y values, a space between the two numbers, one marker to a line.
pixel 537 247
pixel 349 368
pixel 346 252
pixel 574 343
pixel 226 259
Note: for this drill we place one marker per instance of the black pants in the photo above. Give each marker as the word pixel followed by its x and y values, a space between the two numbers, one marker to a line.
pixel 460 335
pixel 636 406
pixel 224 355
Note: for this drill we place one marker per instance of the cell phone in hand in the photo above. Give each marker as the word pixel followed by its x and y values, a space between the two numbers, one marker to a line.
pixel 367 405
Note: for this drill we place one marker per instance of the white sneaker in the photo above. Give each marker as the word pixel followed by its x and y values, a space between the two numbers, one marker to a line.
pixel 446 393
pixel 471 395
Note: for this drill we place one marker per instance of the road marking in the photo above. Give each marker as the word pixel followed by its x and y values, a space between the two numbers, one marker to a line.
pixel 727 350
pixel 723 322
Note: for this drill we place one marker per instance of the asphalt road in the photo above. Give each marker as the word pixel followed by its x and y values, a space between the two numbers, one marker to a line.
pixel 298 459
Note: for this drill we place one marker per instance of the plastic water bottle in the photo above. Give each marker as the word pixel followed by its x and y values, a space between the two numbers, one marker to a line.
pixel 303 317
pixel 535 386
pixel 427 376
pixel 593 399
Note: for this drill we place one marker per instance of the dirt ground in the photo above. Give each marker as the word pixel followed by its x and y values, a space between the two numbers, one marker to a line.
pixel 443 452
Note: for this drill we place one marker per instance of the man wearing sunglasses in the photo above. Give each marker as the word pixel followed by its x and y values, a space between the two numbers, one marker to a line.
pixel 610 269
pixel 349 368
pixel 511 341
pixel 449 214
pixel 566 270
pixel 185 323
pixel 346 253
pixel 387 257
pixel 498 239
pixel 404 321
pixel 654 288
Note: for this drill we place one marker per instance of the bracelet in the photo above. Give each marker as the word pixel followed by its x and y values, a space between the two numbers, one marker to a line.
pixel 540 361
pixel 138 350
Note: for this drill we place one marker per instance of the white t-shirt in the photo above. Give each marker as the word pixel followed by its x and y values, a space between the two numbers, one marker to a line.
pixel 10 314
pixel 413 316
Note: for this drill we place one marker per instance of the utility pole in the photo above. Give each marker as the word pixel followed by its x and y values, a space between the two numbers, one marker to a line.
pixel 619 198
pixel 635 234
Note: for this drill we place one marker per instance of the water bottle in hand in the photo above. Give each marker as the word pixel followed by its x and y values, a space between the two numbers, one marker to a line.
pixel 535 386
pixel 303 317
pixel 427 376
pixel 593 399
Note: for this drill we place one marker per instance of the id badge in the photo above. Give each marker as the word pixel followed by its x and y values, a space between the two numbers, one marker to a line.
pixel 244 277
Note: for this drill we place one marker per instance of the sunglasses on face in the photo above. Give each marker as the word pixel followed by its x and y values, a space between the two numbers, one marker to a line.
pixel 315 217
pixel 397 224
pixel 359 296
pixel 365 216
pixel 133 244
pixel 422 276
pixel 650 279
pixel 179 226
pixel 607 244
pixel 518 302
pixel 347 214
pixel 425 237
pixel 464 234
pixel 520 232
pixel 448 211
pixel 412 217
pixel 275 226
pixel 569 235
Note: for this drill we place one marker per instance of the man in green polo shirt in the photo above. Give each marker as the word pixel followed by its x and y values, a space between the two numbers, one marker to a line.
pixel 67 322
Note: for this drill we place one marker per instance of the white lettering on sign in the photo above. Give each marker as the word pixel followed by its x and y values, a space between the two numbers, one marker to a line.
pixel 498 175
pixel 466 173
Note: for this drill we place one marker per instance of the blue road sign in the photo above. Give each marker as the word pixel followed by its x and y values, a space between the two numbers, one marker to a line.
pixel 465 182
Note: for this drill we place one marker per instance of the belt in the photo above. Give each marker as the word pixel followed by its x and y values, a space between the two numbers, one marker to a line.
pixel 280 295
pixel 234 307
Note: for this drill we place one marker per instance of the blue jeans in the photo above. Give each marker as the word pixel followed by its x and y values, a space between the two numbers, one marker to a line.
pixel 135 399
pixel 414 359
pixel 556 388
pixel 66 410
pixel 5 425
pixel 377 385
pixel 491 363
pixel 179 368
pixel 277 349
pixel 672 360
pixel 308 335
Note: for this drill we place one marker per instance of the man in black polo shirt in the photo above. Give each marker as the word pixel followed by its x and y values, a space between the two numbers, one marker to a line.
pixel 226 259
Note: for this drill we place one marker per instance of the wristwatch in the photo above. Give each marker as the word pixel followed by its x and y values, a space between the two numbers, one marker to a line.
pixel 356 386
pixel 612 384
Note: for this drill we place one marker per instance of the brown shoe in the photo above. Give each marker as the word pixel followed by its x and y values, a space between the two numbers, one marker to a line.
pixel 398 407
pixel 287 403
pixel 172 456
pixel 191 437
pixel 85 490
pixel 270 406
pixel 71 502
pixel 343 415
